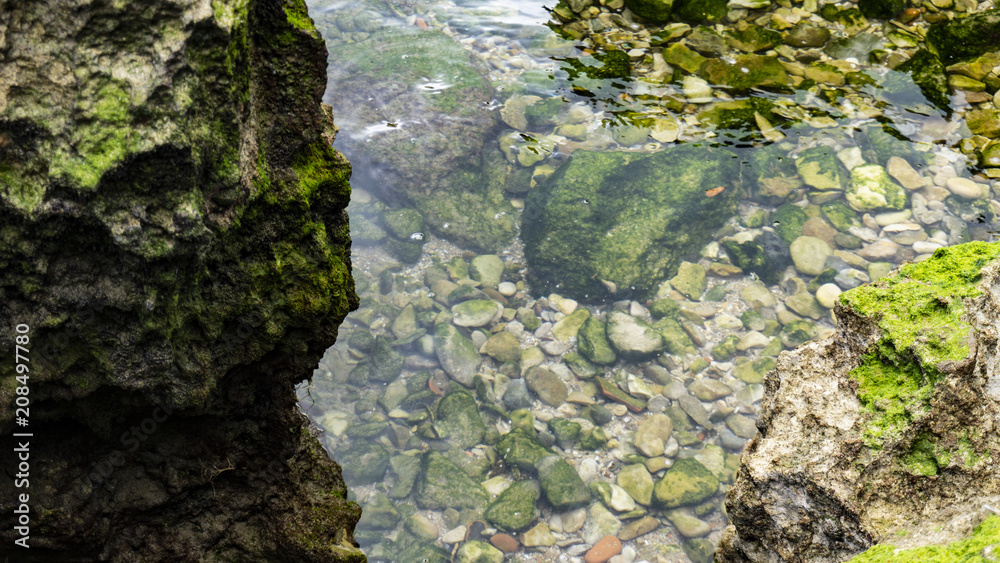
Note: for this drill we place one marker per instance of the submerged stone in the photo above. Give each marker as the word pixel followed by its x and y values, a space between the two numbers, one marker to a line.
pixel 745 72
pixel 593 344
pixel 442 484
pixel 561 484
pixel 514 510
pixel 687 482
pixel 610 217
pixel 871 188
pixel 965 37
pixel 458 420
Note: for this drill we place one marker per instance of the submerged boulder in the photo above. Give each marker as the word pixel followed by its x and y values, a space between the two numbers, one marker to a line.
pixel 414 106
pixel 622 222
pixel 965 37
pixel 885 432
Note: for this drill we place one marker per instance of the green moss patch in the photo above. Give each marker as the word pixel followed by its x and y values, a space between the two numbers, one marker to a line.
pixel 919 311
pixel 969 549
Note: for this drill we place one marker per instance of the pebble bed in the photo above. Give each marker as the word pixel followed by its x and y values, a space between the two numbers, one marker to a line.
pixel 647 403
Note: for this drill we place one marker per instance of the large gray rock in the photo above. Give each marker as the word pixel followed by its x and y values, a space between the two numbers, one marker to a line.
pixel 879 434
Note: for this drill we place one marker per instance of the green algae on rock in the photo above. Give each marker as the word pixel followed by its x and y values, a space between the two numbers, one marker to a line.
pixel 188 158
pixel 612 217
pixel 985 536
pixel 965 37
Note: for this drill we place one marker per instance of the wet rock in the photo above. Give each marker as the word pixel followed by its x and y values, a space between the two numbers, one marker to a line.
pixel 593 344
pixel 600 523
pixel 805 304
pixel 695 410
pixel 690 280
pixel 637 482
pixel 687 482
pixel 487 269
pixel 569 326
pixel 453 183
pixel 515 508
pixel 871 188
pixel 881 9
pixel 827 295
pixel 404 471
pixel 547 386
pixel 364 463
pixel 807 36
pixel 457 354
pixel 458 420
pixel 521 450
pixel 605 548
pixel 561 484
pixel 797 332
pixel 632 337
pixel 595 195
pixel 442 484
pixel 753 371
pixel 903 172
pixel 652 435
pixel 538 536
pixel 505 543
pixel 477 551
pixel 613 496
pixel 380 513
pixel 745 72
pixel 709 389
pixel 421 527
pixel 741 426
pixel 516 395
pixel 765 255
pixel 503 347
pixel 689 525
pixel 965 37
pixel 810 254
pixel 788 221
pixel 820 168
pixel 476 313
pixel 638 528
pixel 753 38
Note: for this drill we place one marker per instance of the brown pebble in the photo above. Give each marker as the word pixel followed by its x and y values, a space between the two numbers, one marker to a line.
pixel 505 543
pixel 909 15
pixel 605 548
pixel 640 527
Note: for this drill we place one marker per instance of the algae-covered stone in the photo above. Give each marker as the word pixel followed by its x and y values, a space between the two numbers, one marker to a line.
pixel 475 312
pixel 675 339
pixel 797 332
pixel 632 337
pixel 385 362
pixel 519 449
pixel 477 551
pixel 402 223
pixel 593 344
pixel 457 354
pixel 452 177
pixel 840 215
pixel 788 221
pixel 881 9
pixel 514 510
pixel 487 269
pixel 745 72
pixel 681 55
pixel 561 484
pixel 871 188
pixel 458 420
pixel 690 280
pixel 698 11
pixel 565 431
pixel 569 326
pixel 753 38
pixel 503 347
pixel 654 11
pixel 611 217
pixel 965 37
pixel 612 496
pixel 404 472
pixel 820 168
pixel 364 463
pixel 379 513
pixel 687 482
pixel 442 484
pixel 776 173
pixel 765 255
pixel 927 72
pixel 637 481
pixel 725 350
pixel 652 435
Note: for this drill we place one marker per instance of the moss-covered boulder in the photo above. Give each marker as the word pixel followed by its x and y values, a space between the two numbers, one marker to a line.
pixel 965 37
pixel 653 11
pixel 894 401
pixel 592 342
pixel 928 73
pixel 174 244
pixel 611 221
pixel 561 484
pixel 871 188
pixel 442 484
pixel 451 176
pixel 700 11
pixel 520 449
pixel 820 168
pixel 458 420
pixel 881 9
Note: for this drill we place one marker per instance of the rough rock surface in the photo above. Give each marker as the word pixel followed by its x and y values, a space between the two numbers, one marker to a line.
pixel 173 235
pixel 885 432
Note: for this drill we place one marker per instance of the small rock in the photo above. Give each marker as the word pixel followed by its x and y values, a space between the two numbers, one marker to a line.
pixel 752 339
pixel 879 250
pixel 965 188
pixel 421 527
pixel 710 389
pixel 901 170
pixel 827 295
pixel 487 269
pixel 689 525
pixel 455 535
pixel 606 548
pixel 479 552
pixel 540 535
pixel 632 337
pixel 690 280
pixel 476 312
pixel 637 482
pixel 639 527
pixel 742 426
pixel 809 255
pixel 507 289
pixel 652 435
pixel 504 542
pixel 550 389
pixel 573 520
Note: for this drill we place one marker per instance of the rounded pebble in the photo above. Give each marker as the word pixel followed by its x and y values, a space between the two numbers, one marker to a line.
pixel 507 289
pixel 964 187
pixel 505 543
pixel 606 548
pixel 827 295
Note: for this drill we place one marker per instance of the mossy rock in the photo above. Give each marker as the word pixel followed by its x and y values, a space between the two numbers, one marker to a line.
pixel 776 174
pixel 745 72
pixel 442 484
pixel 521 450
pixel 788 221
pixel 928 73
pixel 820 168
pixel 364 463
pixel 766 255
pixel 965 37
pixel 686 483
pixel 458 420
pixel 653 11
pixel 561 484
pixel 753 38
pixel 515 509
pixel 593 344
pixel 700 11
pixel 586 226
pixel 881 9
pixel 736 117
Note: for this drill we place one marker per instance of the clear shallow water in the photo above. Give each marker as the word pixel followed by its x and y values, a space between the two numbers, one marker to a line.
pixel 418 118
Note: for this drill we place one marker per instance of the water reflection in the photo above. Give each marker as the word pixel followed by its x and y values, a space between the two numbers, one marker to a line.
pixel 581 242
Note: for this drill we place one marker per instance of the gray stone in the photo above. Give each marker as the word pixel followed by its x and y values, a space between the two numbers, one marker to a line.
pixel 632 337
pixel 810 254
pixel 487 269
pixel 550 389
pixel 457 354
